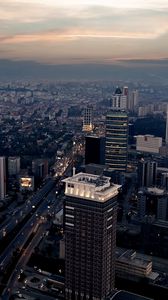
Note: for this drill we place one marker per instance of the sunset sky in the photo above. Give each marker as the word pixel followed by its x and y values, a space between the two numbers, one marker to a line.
pixel 78 31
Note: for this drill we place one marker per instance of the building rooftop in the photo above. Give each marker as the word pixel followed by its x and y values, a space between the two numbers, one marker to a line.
pixel 129 257
pixel 91 187
pixel 155 191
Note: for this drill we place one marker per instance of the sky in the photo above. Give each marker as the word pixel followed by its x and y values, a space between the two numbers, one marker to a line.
pixel 83 31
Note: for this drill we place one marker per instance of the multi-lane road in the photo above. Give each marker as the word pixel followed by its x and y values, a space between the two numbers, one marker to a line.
pixel 48 204
pixel 37 207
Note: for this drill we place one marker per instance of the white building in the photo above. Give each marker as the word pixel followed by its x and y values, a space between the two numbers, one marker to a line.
pixel 119 100
pixel 148 143
pixel 91 187
pixel 2 177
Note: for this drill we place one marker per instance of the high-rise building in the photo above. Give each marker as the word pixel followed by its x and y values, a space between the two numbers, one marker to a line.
pixel 13 165
pixel 119 99
pixel 166 135
pixel 147 173
pixel 2 177
pixel 88 119
pixel 133 101
pixel 153 202
pixel 90 214
pixel 116 140
pixel 94 150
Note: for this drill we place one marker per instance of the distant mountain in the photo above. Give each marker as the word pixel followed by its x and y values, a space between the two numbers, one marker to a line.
pixel 146 70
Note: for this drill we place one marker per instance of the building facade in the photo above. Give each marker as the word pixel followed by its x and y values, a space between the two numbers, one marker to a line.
pixel 153 202
pixel 88 119
pixel 2 177
pixel 13 165
pixel 120 98
pixel 94 150
pixel 90 214
pixel 147 173
pixel 116 140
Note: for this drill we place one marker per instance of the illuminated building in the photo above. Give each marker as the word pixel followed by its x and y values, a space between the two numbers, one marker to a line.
pixel 2 177
pixel 88 119
pixel 90 216
pixel 116 140
pixel 26 183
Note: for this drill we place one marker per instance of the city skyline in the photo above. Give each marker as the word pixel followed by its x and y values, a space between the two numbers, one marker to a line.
pixel 83 31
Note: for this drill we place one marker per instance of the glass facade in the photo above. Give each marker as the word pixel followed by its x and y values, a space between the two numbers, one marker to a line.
pixel 116 140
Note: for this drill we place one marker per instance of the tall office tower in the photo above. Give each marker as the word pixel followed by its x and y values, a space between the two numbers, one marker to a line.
pixel 2 177
pixel 94 150
pixel 166 136
pixel 119 100
pixel 133 101
pixel 90 216
pixel 88 119
pixel 116 140
pixel 147 173
pixel 13 165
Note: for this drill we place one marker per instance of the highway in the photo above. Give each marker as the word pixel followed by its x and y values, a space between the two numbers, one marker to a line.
pixel 25 233
pixel 20 213
pixel 27 229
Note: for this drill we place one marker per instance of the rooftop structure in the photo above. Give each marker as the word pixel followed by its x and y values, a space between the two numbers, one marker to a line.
pixel 148 143
pixel 129 263
pixel 91 187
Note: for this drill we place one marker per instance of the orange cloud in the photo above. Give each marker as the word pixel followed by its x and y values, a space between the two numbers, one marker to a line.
pixel 72 34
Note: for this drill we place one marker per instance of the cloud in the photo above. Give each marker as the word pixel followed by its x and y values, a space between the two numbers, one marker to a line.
pixel 72 27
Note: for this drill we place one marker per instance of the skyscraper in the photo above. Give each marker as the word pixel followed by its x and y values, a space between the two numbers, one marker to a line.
pixel 116 140
pixel 133 101
pixel 147 173
pixel 2 177
pixel 88 119
pixel 119 99
pixel 90 213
